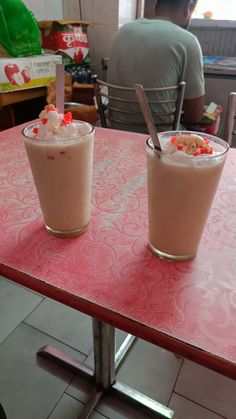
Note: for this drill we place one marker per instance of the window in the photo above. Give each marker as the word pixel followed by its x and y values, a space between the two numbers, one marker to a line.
pixel 215 9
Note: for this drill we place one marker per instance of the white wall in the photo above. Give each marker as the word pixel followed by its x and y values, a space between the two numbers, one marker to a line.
pixel 45 9
pixel 127 11
pixel 105 17
pixel 71 9
pixel 103 14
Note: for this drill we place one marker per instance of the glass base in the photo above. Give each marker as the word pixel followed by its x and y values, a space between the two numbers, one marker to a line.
pixel 173 258
pixel 67 233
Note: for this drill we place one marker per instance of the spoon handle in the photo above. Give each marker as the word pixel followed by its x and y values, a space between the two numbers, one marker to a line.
pixel 147 115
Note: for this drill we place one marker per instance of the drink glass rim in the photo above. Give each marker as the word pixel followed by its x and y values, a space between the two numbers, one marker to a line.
pixel 202 134
pixel 58 140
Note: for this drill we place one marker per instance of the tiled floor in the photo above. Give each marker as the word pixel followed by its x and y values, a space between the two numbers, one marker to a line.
pixel 32 388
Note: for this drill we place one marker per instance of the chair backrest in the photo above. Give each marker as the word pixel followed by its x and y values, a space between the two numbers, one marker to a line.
pixel 230 128
pixel 118 106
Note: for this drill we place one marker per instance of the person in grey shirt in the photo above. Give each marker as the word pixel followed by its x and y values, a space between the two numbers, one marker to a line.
pixel 160 52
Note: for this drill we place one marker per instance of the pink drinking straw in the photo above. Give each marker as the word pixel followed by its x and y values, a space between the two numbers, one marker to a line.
pixel 60 92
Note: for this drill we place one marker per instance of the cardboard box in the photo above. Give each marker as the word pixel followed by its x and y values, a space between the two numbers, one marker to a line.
pixel 68 38
pixel 27 72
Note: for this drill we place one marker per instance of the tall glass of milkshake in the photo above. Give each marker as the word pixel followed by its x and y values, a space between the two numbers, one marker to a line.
pixel 182 182
pixel 60 153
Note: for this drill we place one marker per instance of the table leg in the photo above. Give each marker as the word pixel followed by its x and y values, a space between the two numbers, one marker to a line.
pixel 106 364
pixel 104 354
pixel 123 350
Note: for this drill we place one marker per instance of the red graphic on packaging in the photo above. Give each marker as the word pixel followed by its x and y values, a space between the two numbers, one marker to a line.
pixel 26 75
pixel 67 40
pixel 16 76
pixel 78 56
pixel 11 70
pixel 71 41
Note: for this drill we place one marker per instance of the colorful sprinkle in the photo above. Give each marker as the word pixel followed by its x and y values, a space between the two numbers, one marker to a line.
pixel 67 118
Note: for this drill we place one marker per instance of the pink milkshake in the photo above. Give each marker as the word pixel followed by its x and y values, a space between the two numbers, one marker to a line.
pixel 181 186
pixel 60 154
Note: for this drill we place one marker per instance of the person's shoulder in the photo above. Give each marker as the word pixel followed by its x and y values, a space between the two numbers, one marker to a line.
pixel 132 23
pixel 139 24
pixel 188 37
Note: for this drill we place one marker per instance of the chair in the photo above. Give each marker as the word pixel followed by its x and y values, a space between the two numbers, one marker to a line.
pixel 118 106
pixel 230 128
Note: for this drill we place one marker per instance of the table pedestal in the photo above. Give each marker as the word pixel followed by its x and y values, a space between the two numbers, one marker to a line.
pixel 106 365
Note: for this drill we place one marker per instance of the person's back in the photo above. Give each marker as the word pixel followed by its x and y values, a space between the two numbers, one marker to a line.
pixel 157 53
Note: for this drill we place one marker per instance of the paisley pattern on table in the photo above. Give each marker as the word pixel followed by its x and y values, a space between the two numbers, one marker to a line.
pixel 111 265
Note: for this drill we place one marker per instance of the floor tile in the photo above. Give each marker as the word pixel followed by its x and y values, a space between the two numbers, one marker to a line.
pixel 208 389
pixel 110 406
pixel 63 323
pixel 148 369
pixel 69 408
pixel 15 304
pixel 29 386
pixel 80 389
pixel 185 409
pixel 115 408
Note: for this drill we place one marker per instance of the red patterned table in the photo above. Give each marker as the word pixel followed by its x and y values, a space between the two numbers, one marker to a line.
pixel 109 273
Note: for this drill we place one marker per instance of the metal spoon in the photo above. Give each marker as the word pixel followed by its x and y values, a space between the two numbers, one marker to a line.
pixel 147 116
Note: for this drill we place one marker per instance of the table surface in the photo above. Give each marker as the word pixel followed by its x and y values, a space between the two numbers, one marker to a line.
pixel 109 272
pixel 16 96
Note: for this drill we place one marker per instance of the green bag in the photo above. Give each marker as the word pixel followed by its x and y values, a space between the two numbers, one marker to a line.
pixel 19 32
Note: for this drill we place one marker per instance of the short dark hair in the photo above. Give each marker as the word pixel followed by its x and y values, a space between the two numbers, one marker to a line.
pixel 173 3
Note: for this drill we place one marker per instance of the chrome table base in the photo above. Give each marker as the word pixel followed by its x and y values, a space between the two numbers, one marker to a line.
pixel 106 364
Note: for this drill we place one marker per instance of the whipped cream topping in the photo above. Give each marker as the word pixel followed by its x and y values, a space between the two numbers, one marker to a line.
pixel 188 145
pixel 57 126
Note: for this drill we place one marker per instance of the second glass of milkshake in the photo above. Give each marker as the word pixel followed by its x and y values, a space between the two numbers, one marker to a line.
pixel 60 153
pixel 182 182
